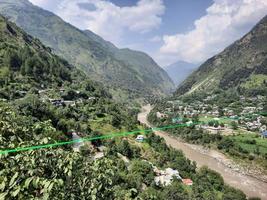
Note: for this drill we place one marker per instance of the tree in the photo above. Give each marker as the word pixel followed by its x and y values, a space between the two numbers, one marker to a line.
pixel 234 125
pixel 124 148
pixel 96 142
pixel 175 191
pixel 152 194
pixel 195 119
pixel 231 193
pixel 12 60
pixel 211 123
pixel 210 179
pixel 4 76
pixel 144 170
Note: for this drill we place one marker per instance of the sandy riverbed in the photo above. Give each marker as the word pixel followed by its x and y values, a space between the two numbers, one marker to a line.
pixel 215 160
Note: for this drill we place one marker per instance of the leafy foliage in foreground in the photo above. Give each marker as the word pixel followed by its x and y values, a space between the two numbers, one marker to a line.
pixel 60 173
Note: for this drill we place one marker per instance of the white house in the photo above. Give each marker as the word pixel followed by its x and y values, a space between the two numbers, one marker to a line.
pixel 165 177
pixel 140 138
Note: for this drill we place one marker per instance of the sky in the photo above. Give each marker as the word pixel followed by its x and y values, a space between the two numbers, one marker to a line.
pixel 168 30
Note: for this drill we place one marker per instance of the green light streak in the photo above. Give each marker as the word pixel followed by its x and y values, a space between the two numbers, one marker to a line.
pixel 108 136
pixel 102 137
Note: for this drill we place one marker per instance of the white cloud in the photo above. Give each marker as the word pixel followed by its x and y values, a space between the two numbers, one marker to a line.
pixel 109 20
pixel 225 22
pixel 155 39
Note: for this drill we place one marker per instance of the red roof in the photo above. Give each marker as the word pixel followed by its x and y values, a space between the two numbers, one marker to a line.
pixel 187 181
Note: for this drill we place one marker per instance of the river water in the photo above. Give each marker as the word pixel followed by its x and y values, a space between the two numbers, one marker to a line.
pixel 251 186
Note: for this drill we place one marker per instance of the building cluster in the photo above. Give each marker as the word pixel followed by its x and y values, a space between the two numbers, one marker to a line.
pixel 46 93
pixel 246 112
pixel 165 177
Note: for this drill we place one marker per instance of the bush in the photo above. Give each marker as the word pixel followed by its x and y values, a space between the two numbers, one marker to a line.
pixel 251 157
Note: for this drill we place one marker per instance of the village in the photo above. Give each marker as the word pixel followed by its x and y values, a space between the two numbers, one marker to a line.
pixel 62 97
pixel 248 117
pixel 162 177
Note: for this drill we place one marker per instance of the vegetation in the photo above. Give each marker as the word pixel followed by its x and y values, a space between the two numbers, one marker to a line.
pixel 242 65
pixel 128 74
pixel 242 145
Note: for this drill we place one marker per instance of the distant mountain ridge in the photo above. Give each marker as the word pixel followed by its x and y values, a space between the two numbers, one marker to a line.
pixel 242 65
pixel 179 71
pixel 132 73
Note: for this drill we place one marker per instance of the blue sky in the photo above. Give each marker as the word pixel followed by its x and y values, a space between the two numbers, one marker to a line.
pixel 168 30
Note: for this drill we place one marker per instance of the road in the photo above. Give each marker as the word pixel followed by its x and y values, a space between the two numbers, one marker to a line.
pixel 215 160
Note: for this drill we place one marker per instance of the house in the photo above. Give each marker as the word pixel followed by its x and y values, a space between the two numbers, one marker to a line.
pixel 165 177
pixel 264 134
pixel 189 123
pixel 215 113
pixel 177 120
pixel 234 117
pixel 263 128
pixel 69 103
pixel 140 138
pixel 98 155
pixel 161 115
pixel 22 92
pixel 61 90
pixel 187 181
pixel 56 102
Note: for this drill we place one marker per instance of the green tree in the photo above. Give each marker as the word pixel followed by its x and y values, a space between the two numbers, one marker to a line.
pixel 234 125
pixel 175 191
pixel 233 194
pixel 144 170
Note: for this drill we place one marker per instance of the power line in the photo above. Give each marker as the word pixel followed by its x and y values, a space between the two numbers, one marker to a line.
pixel 102 137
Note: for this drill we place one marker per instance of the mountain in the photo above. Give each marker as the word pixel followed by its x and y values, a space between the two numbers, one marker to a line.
pixel 26 66
pixel 133 73
pixel 179 71
pixel 242 65
pixel 24 58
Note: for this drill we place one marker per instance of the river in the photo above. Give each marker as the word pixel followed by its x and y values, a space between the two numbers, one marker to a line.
pixel 215 160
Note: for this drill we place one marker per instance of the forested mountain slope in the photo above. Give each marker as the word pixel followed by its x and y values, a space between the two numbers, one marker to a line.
pixel 242 65
pixel 102 61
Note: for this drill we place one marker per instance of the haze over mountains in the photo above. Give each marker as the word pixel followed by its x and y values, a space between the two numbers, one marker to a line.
pixel 180 70
pixel 131 73
pixel 242 65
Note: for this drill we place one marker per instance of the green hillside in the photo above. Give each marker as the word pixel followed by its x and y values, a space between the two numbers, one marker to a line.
pixel 101 60
pixel 241 65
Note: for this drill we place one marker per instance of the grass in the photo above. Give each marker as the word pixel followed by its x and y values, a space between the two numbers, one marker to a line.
pixel 242 140
pixel 255 81
pixel 209 118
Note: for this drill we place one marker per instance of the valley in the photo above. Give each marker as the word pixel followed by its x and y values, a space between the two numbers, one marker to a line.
pixel 213 159
pixel 82 118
